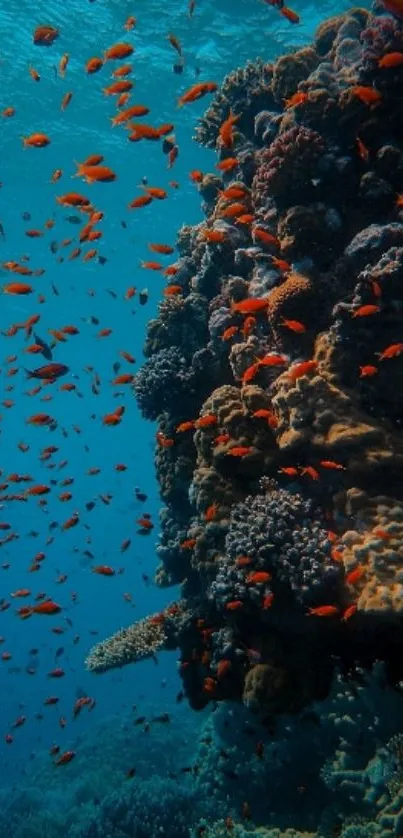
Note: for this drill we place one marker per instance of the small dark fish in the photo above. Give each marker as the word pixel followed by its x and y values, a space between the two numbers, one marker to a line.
pixel 140 720
pixel 26 216
pixel 46 350
pixel 54 289
pixel 124 225
pixel 2 231
pixel 178 68
pixel 116 367
pixel 141 496
pixel 59 652
pixel 102 260
pixel 180 697
pixel 143 297
pixel 164 718
pixel 33 652
pixel 69 623
pixel 53 247
pixel 112 293
pixel 74 219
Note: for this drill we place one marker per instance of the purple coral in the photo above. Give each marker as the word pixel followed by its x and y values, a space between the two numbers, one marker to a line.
pixel 285 170
pixel 282 534
pixel 163 382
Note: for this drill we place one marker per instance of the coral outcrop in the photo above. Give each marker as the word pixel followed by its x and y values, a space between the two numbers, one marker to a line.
pixel 274 374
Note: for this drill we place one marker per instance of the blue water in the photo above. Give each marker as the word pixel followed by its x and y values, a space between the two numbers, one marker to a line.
pixel 220 36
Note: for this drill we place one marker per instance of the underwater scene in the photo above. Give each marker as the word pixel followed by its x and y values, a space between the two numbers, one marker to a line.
pixel 201 449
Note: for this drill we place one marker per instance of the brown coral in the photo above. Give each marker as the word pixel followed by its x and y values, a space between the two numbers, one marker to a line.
pixel 290 70
pixel 376 545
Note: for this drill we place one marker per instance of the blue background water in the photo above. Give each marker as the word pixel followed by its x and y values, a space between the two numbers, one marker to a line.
pixel 220 36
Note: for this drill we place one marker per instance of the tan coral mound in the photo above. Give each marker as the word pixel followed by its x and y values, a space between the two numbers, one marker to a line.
pixel 276 688
pixel 312 411
pixel 377 545
pixel 292 299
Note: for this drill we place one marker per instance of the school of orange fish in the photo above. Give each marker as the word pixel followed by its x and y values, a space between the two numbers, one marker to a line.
pixel 26 340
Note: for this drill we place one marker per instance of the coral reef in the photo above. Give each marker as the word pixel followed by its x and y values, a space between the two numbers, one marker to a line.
pixel 274 375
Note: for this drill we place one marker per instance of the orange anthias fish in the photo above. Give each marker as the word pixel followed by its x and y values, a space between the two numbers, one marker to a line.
pixel 36 140
pixel 366 311
pixel 250 306
pixel 226 133
pixel 196 92
pixel 367 95
pixel 95 174
pixel 391 59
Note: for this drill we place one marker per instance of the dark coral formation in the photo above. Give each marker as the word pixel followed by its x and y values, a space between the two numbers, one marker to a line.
pixel 274 376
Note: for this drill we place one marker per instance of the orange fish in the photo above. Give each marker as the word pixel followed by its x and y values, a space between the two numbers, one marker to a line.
pixel 289 14
pixel 57 174
pixel 349 612
pixel 239 451
pixel 296 99
pixel 355 575
pixel 17 288
pixel 368 370
pixel 72 199
pixel 366 311
pixel 362 150
pixel 324 611
pixel 217 236
pixel 123 71
pixel 332 465
pixel 228 164
pixel 164 249
pixel 156 192
pixel 251 305
pixel 95 174
pixel 392 351
pixel 294 326
pixel 66 100
pixel 264 237
pixel 226 133
pixel 65 758
pixel 234 605
pixel 122 86
pixel 93 65
pixel 367 95
pixel 141 201
pixel 259 577
pixel 290 471
pixel 130 23
pixel 45 35
pixel 118 51
pixel 103 570
pixel 129 113
pixel 304 368
pixel 36 140
pixel 391 59
pixel 196 92
pixel 34 74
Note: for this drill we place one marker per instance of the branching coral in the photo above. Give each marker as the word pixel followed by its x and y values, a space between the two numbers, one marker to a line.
pixel 139 641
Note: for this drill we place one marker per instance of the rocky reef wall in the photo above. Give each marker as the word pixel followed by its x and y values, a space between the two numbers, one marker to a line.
pixel 274 371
